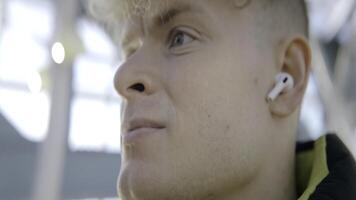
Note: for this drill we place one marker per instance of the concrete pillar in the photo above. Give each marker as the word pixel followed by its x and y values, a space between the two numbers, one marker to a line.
pixel 48 183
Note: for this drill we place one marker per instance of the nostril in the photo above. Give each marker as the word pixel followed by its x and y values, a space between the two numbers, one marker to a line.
pixel 138 87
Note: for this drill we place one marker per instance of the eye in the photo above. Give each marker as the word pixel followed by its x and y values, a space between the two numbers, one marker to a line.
pixel 180 38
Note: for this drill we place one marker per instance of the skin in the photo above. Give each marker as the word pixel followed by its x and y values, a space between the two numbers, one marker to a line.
pixel 205 78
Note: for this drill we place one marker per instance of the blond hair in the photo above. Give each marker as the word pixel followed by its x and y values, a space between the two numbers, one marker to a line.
pixel 291 14
pixel 119 10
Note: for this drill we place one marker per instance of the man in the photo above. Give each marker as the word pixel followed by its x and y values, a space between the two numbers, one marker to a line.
pixel 195 121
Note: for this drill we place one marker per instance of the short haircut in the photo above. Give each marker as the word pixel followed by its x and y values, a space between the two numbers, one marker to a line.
pixel 292 14
pixel 287 15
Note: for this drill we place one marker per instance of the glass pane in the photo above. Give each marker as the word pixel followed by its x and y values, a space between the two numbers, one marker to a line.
pixel 93 76
pixel 95 125
pixel 28 112
pixel 24 60
pixel 95 40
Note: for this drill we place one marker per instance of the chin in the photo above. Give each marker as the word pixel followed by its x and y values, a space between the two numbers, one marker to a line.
pixel 139 181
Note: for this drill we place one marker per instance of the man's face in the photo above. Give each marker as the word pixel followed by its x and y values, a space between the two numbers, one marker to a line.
pixel 195 120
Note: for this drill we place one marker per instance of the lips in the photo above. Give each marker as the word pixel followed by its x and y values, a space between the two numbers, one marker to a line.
pixel 141 127
pixel 144 123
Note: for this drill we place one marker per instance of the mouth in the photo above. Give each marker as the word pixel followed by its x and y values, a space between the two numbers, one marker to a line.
pixel 138 128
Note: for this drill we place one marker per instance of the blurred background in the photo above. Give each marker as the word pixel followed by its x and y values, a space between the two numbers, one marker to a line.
pixel 60 115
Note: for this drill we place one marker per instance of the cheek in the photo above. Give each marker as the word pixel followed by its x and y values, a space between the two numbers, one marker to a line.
pixel 219 138
pixel 215 117
pixel 225 86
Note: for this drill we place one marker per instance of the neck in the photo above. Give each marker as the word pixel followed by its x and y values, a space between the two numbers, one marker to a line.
pixel 275 181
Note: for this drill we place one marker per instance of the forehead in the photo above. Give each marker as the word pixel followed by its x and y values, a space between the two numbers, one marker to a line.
pixel 160 10
pixel 150 8
pixel 156 13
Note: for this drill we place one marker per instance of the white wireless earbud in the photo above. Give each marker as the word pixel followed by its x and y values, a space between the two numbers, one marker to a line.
pixel 284 82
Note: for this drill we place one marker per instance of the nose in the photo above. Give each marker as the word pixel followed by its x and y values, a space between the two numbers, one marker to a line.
pixel 133 79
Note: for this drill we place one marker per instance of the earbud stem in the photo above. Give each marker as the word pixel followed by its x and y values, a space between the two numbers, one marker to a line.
pixel 275 92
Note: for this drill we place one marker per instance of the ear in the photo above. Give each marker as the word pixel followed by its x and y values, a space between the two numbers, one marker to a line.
pixel 295 59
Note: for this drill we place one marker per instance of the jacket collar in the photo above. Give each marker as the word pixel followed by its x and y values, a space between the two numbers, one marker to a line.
pixel 325 169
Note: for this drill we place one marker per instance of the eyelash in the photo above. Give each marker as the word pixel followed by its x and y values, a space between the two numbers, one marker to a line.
pixel 186 31
pixel 176 32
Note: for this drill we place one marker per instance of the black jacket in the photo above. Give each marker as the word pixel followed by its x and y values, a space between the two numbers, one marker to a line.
pixel 326 170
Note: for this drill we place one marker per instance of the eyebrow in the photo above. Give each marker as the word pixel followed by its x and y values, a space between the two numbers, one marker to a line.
pixel 165 17
pixel 176 9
